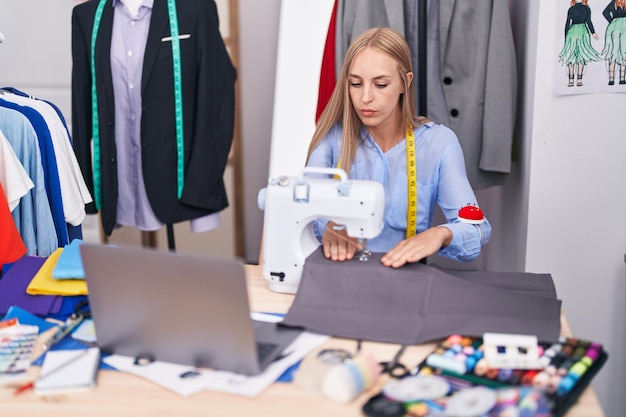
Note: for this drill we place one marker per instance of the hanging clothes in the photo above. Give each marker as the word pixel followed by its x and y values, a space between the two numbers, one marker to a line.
pixel 12 246
pixel 208 79
pixel 471 74
pixel 327 72
pixel 471 71
pixel 356 16
pixel 50 166
pixel 13 176
pixel 479 76
pixel 33 215
pixel 74 192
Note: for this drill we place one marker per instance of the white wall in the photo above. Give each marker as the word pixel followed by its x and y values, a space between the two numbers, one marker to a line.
pixel 302 34
pixel 256 75
pixel 577 204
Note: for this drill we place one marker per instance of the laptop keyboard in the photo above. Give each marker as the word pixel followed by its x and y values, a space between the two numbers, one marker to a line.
pixel 265 349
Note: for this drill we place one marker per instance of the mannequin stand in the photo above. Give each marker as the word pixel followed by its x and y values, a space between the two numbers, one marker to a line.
pixel 149 239
pixel 170 238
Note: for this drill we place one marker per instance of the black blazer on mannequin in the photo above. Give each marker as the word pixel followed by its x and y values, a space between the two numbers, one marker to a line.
pixel 208 84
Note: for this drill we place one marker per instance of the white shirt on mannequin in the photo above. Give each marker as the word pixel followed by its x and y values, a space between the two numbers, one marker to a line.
pixel 133 6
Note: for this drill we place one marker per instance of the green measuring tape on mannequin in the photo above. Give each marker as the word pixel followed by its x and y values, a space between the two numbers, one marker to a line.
pixel 178 99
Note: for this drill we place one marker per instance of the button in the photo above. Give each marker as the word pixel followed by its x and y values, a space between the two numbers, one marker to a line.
pixel 132 23
pixel 447 80
pixel 130 53
pixel 131 86
pixel 454 113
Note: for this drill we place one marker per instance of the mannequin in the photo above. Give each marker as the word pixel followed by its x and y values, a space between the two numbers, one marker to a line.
pixel 139 179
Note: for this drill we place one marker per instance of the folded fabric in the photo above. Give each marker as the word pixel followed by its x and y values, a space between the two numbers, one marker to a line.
pixel 26 317
pixel 418 303
pixel 43 283
pixel 70 264
pixel 13 289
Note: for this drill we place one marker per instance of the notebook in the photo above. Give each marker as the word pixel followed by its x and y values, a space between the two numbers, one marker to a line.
pixel 68 371
pixel 180 308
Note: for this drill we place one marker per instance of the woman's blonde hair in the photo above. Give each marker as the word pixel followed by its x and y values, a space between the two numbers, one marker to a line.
pixel 340 108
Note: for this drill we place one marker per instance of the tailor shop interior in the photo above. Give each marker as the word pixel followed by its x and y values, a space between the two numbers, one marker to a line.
pixel 496 341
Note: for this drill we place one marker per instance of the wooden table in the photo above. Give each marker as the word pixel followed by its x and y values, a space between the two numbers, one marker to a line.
pixel 119 394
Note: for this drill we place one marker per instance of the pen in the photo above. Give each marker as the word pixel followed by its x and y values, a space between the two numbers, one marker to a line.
pixel 62 332
pixel 61 366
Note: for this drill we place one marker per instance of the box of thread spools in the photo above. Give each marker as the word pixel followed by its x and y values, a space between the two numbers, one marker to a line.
pixel 498 374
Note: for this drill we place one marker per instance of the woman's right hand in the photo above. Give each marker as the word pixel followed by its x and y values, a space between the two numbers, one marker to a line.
pixel 337 245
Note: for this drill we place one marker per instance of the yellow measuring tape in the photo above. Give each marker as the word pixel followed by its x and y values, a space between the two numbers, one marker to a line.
pixel 411 179
pixel 411 174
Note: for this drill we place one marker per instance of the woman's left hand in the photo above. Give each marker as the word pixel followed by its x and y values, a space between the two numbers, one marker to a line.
pixel 419 246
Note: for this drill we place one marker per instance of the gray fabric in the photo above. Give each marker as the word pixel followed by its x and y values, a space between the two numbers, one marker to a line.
pixel 419 303
pixel 538 285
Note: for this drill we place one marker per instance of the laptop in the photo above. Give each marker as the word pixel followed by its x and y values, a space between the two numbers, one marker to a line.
pixel 180 308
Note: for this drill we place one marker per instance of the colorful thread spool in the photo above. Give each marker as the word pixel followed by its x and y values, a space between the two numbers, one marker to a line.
pixel 578 369
pixel 342 383
pixel 527 377
pixel 504 375
pixel 541 380
pixel 481 367
pixel 447 363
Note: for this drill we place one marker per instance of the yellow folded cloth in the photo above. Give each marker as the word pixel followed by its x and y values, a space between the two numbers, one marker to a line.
pixel 43 283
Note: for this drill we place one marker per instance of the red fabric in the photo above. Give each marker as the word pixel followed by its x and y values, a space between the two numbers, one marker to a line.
pixel 12 246
pixel 327 73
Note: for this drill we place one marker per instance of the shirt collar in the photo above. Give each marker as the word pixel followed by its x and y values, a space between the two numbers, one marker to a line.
pixel 147 3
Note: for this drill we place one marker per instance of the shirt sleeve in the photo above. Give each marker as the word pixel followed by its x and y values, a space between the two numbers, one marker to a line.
pixel 455 192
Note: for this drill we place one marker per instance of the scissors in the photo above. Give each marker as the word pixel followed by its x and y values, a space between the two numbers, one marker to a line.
pixel 394 367
pixel 81 312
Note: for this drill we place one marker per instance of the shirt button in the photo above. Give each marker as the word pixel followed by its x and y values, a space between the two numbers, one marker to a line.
pixel 130 53
pixel 447 80
pixel 132 23
pixel 454 113
pixel 131 86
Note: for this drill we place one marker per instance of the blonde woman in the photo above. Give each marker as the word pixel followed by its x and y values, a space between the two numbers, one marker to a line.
pixel 369 129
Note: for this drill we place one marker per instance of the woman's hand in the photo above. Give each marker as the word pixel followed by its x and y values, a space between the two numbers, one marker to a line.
pixel 419 246
pixel 337 245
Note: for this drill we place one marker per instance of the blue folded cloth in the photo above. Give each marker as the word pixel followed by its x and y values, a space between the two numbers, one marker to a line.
pixel 70 264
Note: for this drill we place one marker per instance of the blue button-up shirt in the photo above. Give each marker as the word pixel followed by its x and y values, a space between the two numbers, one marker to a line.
pixel 441 179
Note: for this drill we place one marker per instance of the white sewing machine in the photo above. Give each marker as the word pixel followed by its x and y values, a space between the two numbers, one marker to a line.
pixel 292 203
